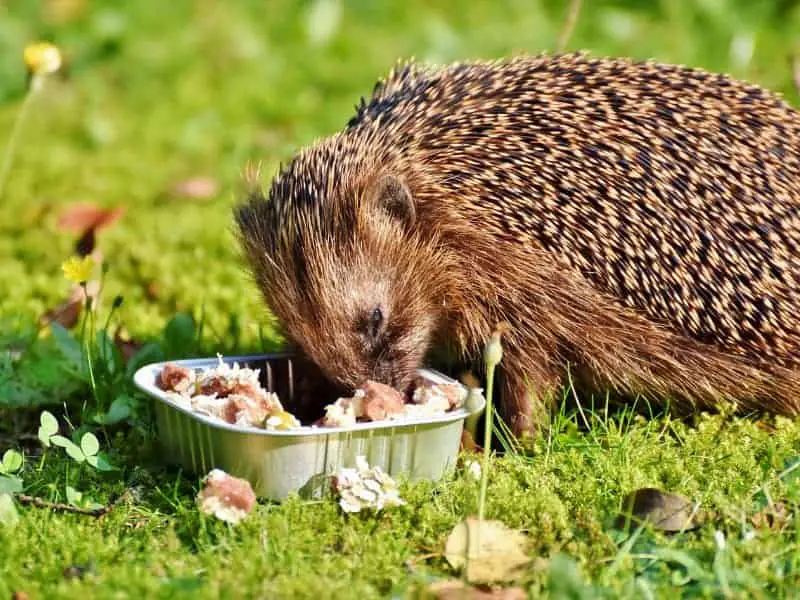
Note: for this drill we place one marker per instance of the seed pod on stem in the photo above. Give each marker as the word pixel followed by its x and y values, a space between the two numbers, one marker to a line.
pixel 492 355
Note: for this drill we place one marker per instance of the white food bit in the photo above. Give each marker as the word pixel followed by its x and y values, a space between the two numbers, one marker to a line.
pixel 176 397
pixel 363 487
pixel 226 497
pixel 345 411
pixel 230 373
pixel 284 420
pixel 249 411
pixel 187 385
pixel 209 405
pixel 437 395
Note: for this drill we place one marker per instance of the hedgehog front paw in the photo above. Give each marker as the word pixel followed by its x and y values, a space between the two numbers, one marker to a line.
pixel 524 402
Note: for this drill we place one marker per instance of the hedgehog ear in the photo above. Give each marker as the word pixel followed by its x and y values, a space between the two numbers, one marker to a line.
pixel 393 197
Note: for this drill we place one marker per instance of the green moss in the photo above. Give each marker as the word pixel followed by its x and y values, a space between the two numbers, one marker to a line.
pixel 160 92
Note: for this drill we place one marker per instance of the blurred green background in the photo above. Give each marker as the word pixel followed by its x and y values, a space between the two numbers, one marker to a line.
pixel 155 93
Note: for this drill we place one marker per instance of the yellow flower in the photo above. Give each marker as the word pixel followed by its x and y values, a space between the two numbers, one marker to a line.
pixel 78 270
pixel 42 58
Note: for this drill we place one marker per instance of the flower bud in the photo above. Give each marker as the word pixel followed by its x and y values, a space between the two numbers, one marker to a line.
pixel 42 58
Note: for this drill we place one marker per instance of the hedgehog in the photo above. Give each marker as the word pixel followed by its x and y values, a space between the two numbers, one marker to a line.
pixel 635 223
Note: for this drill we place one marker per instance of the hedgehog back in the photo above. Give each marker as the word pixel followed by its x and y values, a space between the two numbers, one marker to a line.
pixel 671 189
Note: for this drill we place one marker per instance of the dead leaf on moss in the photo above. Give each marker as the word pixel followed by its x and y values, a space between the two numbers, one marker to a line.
pixel 773 516
pixel 665 511
pixel 768 427
pixel 86 220
pixel 458 590
pixel 151 290
pixel 495 551
pixel 68 312
pixel 80 217
pixel 127 346
pixel 195 188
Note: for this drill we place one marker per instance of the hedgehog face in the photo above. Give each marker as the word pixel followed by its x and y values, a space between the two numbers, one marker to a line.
pixel 346 286
pixel 372 315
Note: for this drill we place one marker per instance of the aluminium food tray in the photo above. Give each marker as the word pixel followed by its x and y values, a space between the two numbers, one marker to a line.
pixel 279 463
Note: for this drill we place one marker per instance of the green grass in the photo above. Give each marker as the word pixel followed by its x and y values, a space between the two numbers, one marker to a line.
pixel 157 92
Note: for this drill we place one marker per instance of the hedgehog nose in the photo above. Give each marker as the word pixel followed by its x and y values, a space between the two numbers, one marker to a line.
pixel 383 373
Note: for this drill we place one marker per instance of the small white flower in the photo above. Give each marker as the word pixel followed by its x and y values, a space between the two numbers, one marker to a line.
pixel 365 487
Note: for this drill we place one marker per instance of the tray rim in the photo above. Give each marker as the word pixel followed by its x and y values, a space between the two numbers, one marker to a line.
pixel 144 380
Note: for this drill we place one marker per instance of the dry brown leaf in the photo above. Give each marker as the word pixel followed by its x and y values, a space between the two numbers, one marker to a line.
pixel 458 590
pixel 768 427
pixel 126 345
pixel 20 595
pixel 151 290
pixel 665 511
pixel 68 312
pixel 80 217
pixel 86 243
pixel 495 551
pixel 774 516
pixel 196 188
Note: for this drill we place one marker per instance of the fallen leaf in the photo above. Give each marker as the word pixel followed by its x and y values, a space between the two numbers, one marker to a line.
pixel 127 346
pixel 80 217
pixel 773 516
pixel 68 312
pixel 495 551
pixel 19 595
pixel 665 511
pixel 765 427
pixel 86 243
pixel 195 188
pixel 86 220
pixel 458 590
pixel 151 290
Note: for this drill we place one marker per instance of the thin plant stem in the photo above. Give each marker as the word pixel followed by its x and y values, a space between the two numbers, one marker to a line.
pixel 90 318
pixel 41 460
pixel 487 438
pixel 569 25
pixel 5 167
